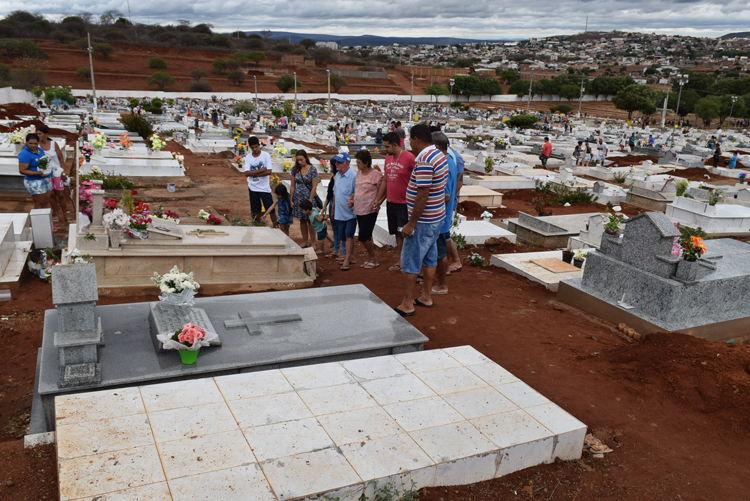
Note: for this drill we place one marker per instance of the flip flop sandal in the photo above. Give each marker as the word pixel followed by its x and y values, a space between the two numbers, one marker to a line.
pixel 395 267
pixel 369 266
pixel 345 269
pixel 364 265
pixel 405 313
pixel 438 293
pixel 417 302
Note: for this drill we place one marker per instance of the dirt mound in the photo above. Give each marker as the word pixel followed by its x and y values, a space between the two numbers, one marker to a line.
pixel 697 174
pixel 710 377
pixel 629 160
pixel 474 211
pixel 12 110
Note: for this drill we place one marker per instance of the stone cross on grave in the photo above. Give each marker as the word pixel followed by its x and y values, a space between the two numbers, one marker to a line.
pixel 252 324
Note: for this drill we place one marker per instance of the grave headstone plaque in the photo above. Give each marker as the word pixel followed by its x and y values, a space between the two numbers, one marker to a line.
pixel 166 318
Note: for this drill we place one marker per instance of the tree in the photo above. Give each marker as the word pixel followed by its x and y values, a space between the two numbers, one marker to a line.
pixel 570 91
pixel 197 74
pixel 219 65
pixel 157 63
pixel 256 56
pixel 436 90
pixel 288 108
pixel 267 34
pixel 307 43
pixel 523 121
pixel 707 109
pixel 635 98
pixel 336 82
pixel 237 77
pixel 520 88
pixel 84 72
pixel 104 49
pixel 510 76
pixel 468 86
pixel 161 80
pixel 286 82
pixel 22 49
pixel 110 16
pixel 687 101
pixel 28 76
pixel 245 106
pixel 491 87
pixel 199 86
pixel 726 107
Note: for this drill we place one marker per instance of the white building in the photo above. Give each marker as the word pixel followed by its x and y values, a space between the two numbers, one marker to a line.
pixel 328 45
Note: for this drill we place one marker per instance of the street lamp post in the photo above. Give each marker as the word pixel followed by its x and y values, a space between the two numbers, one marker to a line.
pixel 329 93
pixel 295 91
pixel 734 100
pixel 528 103
pixel 411 100
pixel 91 65
pixel 450 98
pixel 255 79
pixel 682 80
pixel 580 98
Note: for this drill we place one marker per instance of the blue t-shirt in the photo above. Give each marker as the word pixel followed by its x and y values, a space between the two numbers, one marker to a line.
pixel 450 190
pixel 342 190
pixel 458 159
pixel 29 157
pixel 733 161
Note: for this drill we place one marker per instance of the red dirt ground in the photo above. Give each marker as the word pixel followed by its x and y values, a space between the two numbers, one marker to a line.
pixel 674 408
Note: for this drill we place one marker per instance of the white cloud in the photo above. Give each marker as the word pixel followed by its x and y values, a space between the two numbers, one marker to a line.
pixel 486 19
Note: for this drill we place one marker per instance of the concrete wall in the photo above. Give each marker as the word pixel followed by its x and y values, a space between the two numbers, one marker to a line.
pixel 11 95
pixel 418 98
pixel 360 74
pixel 424 71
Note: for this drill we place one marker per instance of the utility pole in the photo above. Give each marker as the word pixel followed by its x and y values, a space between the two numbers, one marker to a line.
pixel 255 79
pixel 528 103
pixel 295 91
pixel 734 100
pixel 587 25
pixel 329 93
pixel 580 98
pixel 682 80
pixel 664 110
pixel 411 101
pixel 91 66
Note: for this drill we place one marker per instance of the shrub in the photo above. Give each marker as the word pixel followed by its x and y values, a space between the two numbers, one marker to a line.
pixel 620 178
pixel 156 102
pixel 156 110
pixel 237 77
pixel 561 108
pixel 165 36
pixel 109 181
pixel 161 80
pixel 23 48
pixel 84 72
pixel 219 65
pixel 220 41
pixel 115 35
pixel 565 194
pixel 157 63
pixel 244 106
pixel 60 36
pixel 137 125
pixel 523 121
pixel 81 43
pixel 199 86
pixel 104 49
pixel 198 74
pixel 286 82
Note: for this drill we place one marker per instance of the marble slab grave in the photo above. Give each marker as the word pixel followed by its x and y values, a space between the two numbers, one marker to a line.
pixel 326 431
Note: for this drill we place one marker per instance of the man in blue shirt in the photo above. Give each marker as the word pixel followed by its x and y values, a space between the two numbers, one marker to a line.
pixel 441 285
pixel 733 160
pixel 343 189
pixel 454 260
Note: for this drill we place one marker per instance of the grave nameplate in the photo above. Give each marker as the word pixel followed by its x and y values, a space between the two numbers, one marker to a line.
pixel 167 319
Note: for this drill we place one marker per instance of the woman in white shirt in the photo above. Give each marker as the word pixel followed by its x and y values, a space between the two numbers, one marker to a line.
pixel 60 196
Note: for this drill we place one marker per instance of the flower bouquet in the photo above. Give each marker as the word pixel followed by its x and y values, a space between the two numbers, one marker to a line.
pixel 692 247
pixel 214 220
pixel 187 341
pixel 115 222
pixel 156 143
pixel 87 150
pixel 288 164
pixel 18 136
pixel 325 165
pixel 42 165
pixel 100 141
pixel 139 222
pixel 203 214
pixel 238 161
pixel 280 150
pixel 489 164
pixel 275 180
pixel 125 141
pixel 176 288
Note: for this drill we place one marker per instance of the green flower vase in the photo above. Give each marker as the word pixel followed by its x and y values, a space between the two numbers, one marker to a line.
pixel 189 357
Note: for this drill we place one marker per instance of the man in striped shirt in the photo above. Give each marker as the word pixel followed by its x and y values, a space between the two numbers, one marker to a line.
pixel 425 201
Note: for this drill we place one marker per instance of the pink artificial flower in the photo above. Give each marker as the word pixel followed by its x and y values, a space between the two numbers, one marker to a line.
pixel 190 333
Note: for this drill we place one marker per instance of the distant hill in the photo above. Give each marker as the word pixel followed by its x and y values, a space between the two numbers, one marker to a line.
pixel 742 34
pixel 371 39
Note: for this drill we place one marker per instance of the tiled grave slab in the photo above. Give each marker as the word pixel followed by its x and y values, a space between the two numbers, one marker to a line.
pixel 442 417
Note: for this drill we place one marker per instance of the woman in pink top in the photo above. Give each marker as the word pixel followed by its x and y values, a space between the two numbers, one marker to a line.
pixel 365 193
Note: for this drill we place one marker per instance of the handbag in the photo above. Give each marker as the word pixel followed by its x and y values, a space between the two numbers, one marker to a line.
pixel 318 202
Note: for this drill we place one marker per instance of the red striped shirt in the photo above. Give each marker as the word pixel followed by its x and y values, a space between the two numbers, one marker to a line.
pixel 431 170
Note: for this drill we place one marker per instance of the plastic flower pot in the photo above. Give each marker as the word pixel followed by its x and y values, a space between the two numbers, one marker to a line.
pixel 567 256
pixel 578 263
pixel 189 357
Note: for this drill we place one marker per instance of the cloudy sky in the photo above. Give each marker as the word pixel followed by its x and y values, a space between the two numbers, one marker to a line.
pixel 486 19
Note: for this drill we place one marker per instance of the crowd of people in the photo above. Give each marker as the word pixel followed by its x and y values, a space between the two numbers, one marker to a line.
pixel 420 189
